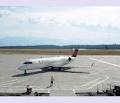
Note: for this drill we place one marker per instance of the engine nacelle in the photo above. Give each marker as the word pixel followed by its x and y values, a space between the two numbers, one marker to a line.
pixel 69 59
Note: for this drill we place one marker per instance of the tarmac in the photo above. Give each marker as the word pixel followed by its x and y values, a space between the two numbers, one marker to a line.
pixel 85 74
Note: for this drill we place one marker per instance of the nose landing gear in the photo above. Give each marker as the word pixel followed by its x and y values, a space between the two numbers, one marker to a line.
pixel 25 72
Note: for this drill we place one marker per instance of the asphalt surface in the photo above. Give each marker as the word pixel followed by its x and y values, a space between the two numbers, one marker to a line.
pixel 85 74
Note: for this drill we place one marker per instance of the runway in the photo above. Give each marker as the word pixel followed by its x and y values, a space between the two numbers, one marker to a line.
pixel 81 77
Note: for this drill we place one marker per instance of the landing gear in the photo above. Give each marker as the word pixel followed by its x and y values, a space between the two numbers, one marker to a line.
pixel 50 68
pixel 59 68
pixel 25 72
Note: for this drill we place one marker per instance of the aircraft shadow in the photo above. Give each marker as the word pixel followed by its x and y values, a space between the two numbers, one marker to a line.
pixel 71 72
pixel 44 70
pixel 30 73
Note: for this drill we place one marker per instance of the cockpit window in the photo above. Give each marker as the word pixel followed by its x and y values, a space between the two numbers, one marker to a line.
pixel 27 62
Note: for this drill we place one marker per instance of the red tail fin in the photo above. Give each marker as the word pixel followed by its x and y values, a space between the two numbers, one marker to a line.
pixel 75 53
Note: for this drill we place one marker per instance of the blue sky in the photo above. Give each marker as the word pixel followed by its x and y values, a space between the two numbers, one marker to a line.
pixel 59 25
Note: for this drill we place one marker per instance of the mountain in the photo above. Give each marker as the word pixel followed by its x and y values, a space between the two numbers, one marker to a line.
pixel 46 43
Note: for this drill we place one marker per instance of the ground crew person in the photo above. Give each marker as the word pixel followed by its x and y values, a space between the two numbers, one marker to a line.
pixel 29 90
pixel 92 65
pixel 51 81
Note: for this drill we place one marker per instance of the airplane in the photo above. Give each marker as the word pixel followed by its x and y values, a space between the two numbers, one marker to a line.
pixel 50 62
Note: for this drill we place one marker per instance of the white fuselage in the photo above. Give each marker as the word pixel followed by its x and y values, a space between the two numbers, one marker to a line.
pixel 45 62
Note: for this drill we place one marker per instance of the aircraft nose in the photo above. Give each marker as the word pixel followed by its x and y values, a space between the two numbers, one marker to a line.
pixel 21 67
